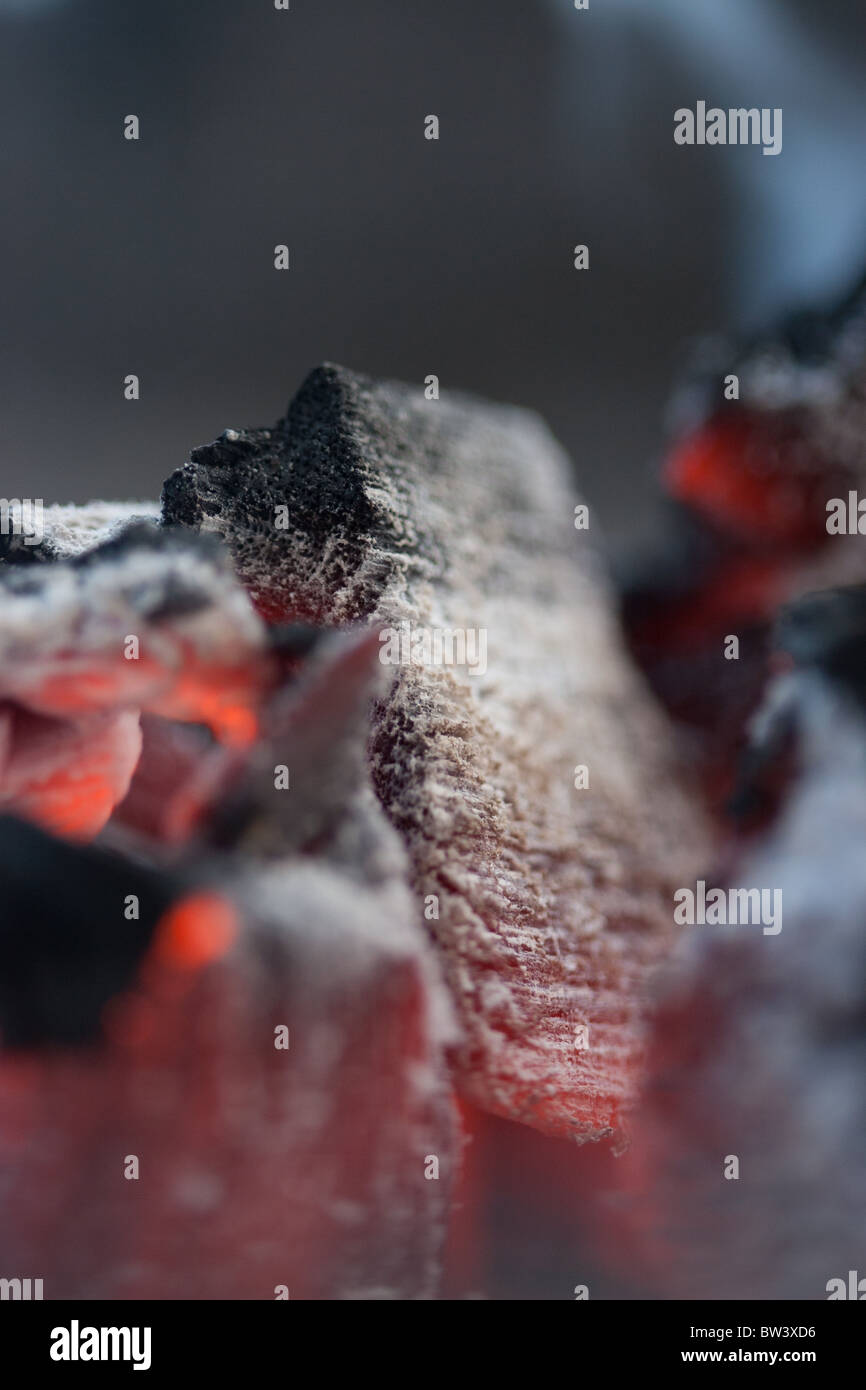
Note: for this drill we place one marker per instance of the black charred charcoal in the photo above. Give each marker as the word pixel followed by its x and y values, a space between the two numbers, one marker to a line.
pixel 827 630
pixel 66 945
pixel 69 531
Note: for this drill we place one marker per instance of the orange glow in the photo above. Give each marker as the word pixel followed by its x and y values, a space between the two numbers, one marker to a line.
pixel 224 698
pixel 235 725
pixel 74 807
pixel 194 932
pixel 743 472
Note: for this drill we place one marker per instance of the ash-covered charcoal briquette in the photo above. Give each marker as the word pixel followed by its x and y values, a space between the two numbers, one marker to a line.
pixel 147 620
pixel 765 483
pixel 516 752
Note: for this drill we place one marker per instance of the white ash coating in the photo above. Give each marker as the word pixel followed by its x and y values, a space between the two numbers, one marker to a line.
pixel 454 513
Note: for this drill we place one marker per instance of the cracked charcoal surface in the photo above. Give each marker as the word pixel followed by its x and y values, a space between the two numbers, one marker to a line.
pixel 555 904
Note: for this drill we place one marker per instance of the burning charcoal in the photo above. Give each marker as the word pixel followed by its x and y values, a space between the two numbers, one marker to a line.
pixel 223 1039
pixel 761 465
pixel 747 1175
pixel 145 621
pixel 451 523
pixel 267 1119
pixel 64 960
pixel 766 469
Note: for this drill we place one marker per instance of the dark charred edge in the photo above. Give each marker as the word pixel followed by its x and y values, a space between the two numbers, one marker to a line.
pixel 66 947
pixel 765 770
pixel 826 631
pixel 310 453
pixel 291 640
pixel 14 552
pixel 139 531
pixel 145 534
pixel 180 595
pixel 320 460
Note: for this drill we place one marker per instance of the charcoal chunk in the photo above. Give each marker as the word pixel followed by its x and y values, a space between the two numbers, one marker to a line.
pixel 554 903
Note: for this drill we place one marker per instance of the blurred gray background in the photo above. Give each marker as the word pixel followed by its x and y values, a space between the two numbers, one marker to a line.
pixel 408 256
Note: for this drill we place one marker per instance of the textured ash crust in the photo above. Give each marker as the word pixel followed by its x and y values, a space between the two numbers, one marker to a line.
pixel 145 581
pixel 69 530
pixel 554 903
